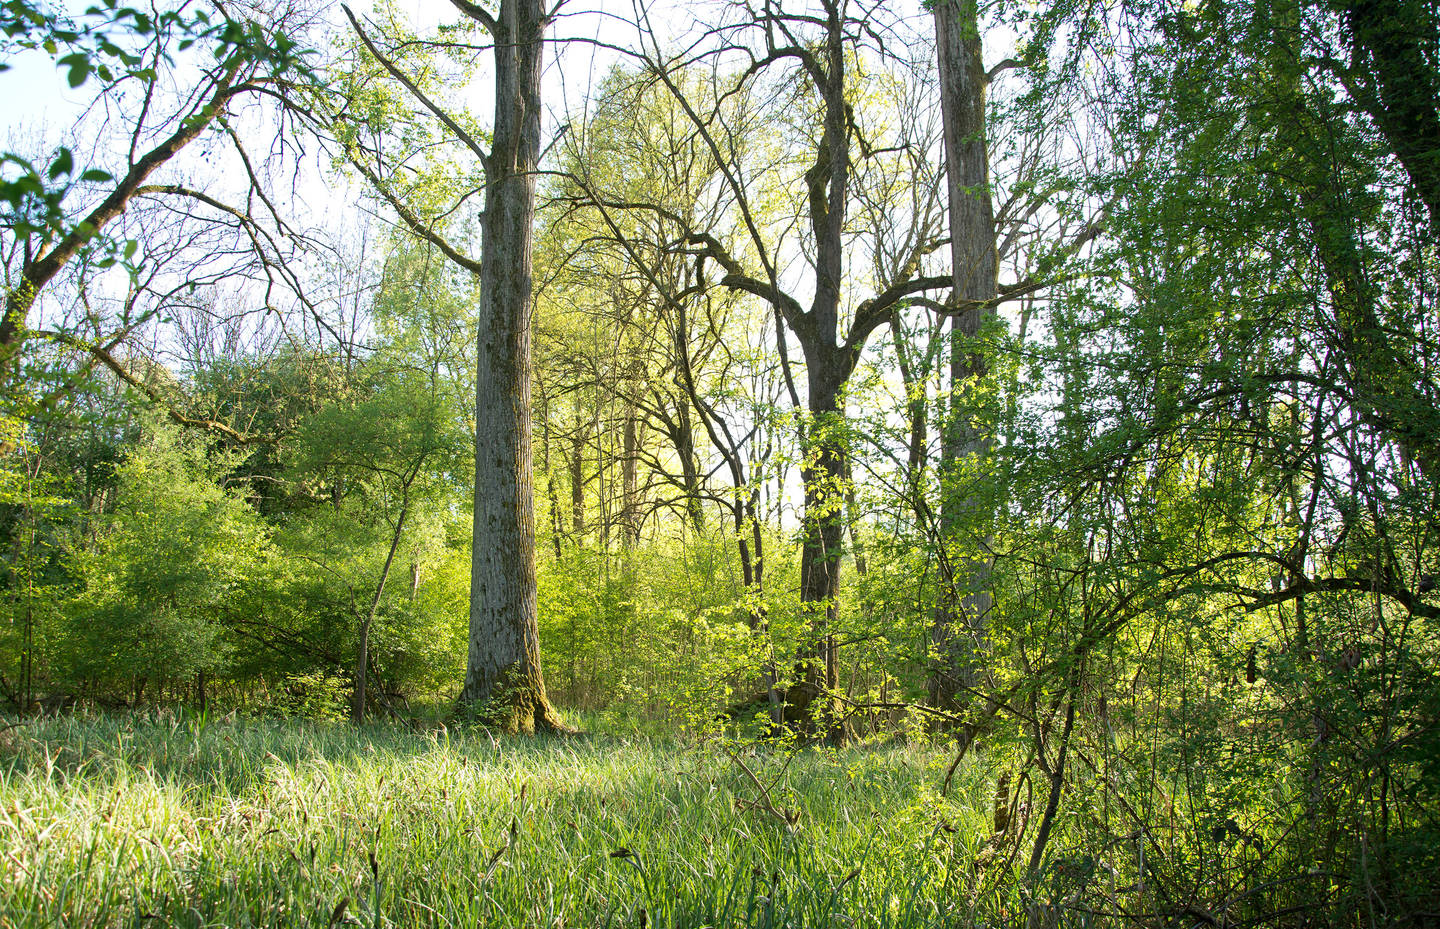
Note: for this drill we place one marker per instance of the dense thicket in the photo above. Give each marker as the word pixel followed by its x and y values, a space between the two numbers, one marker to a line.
pixel 1130 476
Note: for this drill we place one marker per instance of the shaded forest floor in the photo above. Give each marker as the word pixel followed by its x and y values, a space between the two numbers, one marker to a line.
pixel 172 820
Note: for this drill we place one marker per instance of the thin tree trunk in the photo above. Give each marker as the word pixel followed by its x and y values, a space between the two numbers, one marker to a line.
pixel 1057 785
pixel 552 495
pixel 629 482
pixel 503 681
pixel 577 484
pixel 959 626
pixel 852 520
pixel 362 649
pixel 684 441
pixel 604 459
pixel 557 529
pixel 916 410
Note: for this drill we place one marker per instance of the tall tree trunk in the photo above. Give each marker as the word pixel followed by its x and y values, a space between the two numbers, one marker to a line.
pixel 829 365
pixel 503 682
pixel 959 627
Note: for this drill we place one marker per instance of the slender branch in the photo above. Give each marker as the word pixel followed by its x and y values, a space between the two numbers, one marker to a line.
pixel 104 356
pixel 415 91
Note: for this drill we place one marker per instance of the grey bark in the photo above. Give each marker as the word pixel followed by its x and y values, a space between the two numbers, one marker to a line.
pixel 959 625
pixel 503 680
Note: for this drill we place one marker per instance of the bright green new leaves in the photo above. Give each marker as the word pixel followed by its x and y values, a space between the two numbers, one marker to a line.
pixel 171 570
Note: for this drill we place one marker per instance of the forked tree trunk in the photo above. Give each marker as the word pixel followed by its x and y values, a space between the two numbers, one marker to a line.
pixel 829 363
pixel 959 627
pixel 503 683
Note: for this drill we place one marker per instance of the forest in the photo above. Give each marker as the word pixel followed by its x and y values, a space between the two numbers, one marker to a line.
pixel 716 463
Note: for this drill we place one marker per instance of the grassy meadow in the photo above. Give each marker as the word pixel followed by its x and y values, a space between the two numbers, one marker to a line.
pixel 173 820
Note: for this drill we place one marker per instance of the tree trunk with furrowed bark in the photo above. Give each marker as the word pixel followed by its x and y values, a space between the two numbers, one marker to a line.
pixel 503 682
pixel 958 630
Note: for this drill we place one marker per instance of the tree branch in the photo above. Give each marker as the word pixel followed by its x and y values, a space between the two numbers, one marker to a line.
pixel 415 91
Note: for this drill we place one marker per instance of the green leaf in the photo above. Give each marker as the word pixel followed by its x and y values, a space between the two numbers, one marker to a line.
pixel 64 163
pixel 79 65
pixel 96 176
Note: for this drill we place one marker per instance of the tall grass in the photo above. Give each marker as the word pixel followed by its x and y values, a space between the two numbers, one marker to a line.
pixel 173 820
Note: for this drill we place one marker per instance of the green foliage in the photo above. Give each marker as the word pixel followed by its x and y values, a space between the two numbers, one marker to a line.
pixel 314 695
pixel 1199 486
pixel 168 573
pixel 32 585
pixel 658 633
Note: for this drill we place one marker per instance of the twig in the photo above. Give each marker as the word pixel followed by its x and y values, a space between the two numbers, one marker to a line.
pixel 788 817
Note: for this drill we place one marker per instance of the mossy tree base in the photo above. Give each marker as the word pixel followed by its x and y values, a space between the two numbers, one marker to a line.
pixel 514 703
